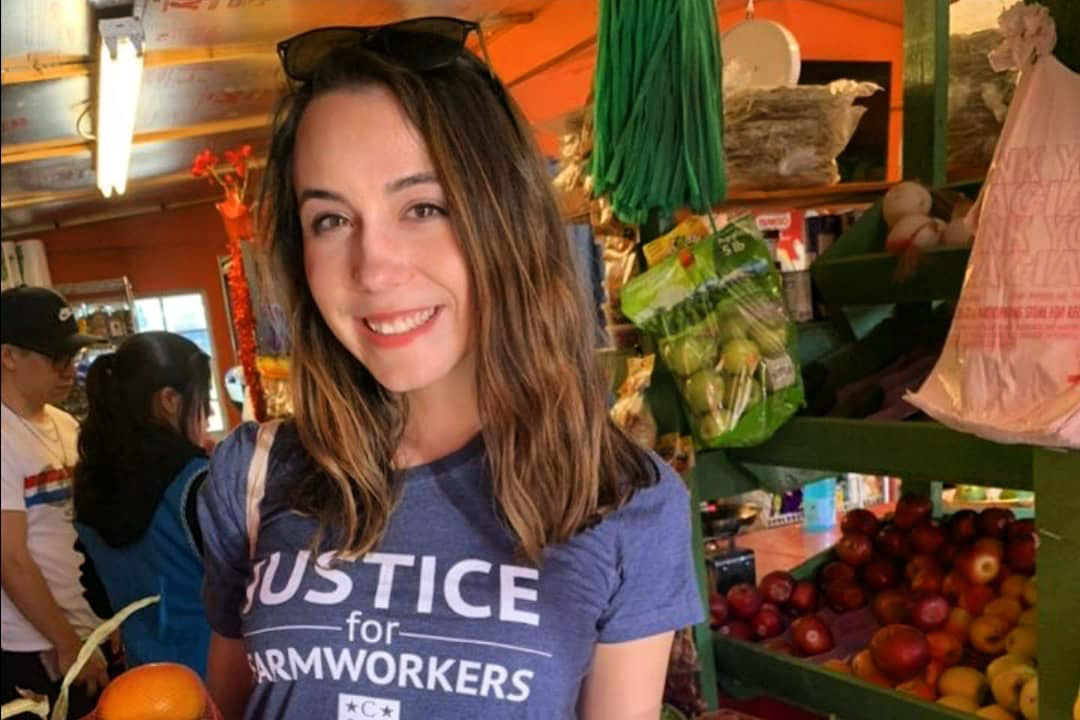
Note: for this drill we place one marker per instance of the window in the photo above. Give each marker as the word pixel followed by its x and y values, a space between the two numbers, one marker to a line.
pixel 184 314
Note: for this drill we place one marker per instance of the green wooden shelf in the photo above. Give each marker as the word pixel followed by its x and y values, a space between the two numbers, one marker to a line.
pixel 746 670
pixel 870 278
pixel 912 450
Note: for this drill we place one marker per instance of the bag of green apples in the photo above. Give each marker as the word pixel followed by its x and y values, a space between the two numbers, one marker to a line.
pixel 716 313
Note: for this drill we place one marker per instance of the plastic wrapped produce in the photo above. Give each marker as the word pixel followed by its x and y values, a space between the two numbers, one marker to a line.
pixel 979 97
pixel 716 313
pixel 789 137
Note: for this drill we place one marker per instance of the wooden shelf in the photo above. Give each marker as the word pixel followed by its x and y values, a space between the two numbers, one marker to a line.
pixel 912 450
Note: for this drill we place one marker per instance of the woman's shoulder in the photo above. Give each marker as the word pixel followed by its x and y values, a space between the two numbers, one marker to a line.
pixel 665 498
pixel 232 456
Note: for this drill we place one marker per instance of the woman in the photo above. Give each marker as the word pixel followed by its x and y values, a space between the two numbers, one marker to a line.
pixel 450 527
pixel 141 464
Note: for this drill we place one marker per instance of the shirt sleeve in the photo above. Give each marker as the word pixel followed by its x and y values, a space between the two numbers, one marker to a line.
pixel 222 522
pixel 12 491
pixel 656 587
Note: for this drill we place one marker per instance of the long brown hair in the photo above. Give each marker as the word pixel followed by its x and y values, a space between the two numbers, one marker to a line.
pixel 557 462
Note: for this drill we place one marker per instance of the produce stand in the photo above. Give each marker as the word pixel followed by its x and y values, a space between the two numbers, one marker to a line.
pixel 925 454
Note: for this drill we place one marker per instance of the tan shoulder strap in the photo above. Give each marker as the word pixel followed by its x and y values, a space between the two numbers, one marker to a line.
pixel 256 479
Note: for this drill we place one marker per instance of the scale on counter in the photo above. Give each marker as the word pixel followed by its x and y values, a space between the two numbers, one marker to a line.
pixel 760 53
pixel 727 564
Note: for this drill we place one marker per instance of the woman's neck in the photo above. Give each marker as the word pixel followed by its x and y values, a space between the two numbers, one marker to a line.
pixel 442 418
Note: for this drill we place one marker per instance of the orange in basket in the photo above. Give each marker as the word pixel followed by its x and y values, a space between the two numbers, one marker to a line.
pixel 157 691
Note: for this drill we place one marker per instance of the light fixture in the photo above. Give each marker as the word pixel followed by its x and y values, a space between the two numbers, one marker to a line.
pixel 119 77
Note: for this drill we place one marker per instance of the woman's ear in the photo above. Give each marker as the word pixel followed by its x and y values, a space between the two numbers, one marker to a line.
pixel 166 406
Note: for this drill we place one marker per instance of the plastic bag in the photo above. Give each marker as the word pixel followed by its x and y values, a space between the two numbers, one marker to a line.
pixel 979 98
pixel 1010 370
pixel 790 137
pixel 716 312
pixel 630 411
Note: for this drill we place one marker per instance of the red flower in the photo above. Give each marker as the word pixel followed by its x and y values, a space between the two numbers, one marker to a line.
pixel 203 163
pixel 238 159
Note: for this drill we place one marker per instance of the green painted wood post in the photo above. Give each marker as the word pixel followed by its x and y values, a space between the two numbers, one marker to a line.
pixel 926 89
pixel 703 639
pixel 1057 498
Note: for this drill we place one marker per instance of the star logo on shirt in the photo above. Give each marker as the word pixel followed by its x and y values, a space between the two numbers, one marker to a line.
pixel 387 711
pixel 351 707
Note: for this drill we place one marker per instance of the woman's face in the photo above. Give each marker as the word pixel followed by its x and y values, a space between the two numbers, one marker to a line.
pixel 380 255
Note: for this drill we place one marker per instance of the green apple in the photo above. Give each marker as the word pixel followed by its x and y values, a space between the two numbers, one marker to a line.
pixel 714 424
pixel 740 356
pixel 704 391
pixel 970 493
pixel 688 354
pixel 772 341
pixel 741 392
pixel 1010 494
pixel 731 326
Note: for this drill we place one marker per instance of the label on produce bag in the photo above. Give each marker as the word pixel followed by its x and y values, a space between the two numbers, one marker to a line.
pixel 779 372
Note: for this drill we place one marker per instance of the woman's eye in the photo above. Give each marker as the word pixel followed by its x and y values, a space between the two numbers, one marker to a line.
pixel 325 223
pixel 426 210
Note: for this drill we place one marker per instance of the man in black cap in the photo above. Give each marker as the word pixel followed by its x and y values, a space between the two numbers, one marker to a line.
pixel 45 616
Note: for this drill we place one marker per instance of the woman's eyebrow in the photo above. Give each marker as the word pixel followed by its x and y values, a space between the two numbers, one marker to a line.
pixel 407 181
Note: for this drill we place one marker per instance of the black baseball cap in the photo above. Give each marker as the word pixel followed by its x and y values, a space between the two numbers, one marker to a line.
pixel 40 319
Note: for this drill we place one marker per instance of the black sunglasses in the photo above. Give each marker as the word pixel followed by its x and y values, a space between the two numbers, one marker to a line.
pixel 419 44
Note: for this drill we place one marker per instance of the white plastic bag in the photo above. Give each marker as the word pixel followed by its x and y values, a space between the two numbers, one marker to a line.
pixel 1010 369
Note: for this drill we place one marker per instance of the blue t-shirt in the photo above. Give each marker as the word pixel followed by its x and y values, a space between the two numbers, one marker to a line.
pixel 441 621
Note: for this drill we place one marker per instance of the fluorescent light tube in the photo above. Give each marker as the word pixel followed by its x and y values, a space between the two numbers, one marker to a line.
pixel 119 79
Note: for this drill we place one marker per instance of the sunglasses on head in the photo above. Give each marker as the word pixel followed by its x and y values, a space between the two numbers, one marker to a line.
pixel 418 44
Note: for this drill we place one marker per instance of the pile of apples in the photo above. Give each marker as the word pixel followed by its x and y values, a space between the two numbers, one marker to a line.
pixel 955 601
pixel 764 612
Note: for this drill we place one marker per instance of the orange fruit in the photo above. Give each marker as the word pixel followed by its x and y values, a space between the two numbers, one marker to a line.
pixel 157 691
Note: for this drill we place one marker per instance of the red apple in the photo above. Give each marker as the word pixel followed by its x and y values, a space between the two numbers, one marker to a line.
pixel 1020 554
pixel 927 538
pixel 893 542
pixel 891 607
pixel 811 635
pixel 767 622
pixel 945 647
pixel 929 612
pixel 900 651
pixel 854 549
pixel 979 566
pixel 920 564
pixel 736 629
pixel 845 595
pixel 718 610
pixel 963 526
pixel 834 571
pixel 928 581
pixel 860 521
pixel 1019 527
pixel 912 510
pixel 880 574
pixel 776 587
pixel 954 585
pixel 976 598
pixel 744 601
pixel 918 688
pixel 993 521
pixel 804 598
pixel 947 554
pixel 990 545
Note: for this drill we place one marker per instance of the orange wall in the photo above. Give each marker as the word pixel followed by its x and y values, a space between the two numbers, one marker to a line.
pixel 162 252
pixel 825 32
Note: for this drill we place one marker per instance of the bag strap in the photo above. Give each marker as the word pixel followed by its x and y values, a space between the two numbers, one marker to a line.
pixel 256 480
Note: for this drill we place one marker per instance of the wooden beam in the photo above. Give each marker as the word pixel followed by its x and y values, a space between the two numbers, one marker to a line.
pixel 40 197
pixel 51 66
pixel 26 152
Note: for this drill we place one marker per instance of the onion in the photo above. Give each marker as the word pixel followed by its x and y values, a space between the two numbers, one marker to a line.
pixel 956 233
pixel 921 231
pixel 906 198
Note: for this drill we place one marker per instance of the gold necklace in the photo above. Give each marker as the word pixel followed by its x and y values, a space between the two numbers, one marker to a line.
pixel 44 439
